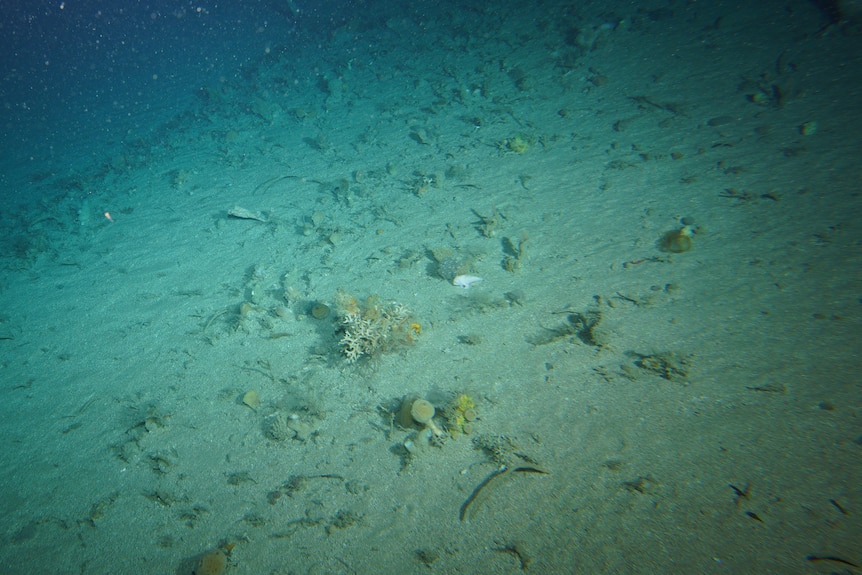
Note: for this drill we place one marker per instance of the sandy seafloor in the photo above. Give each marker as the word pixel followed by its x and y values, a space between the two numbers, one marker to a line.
pixel 127 345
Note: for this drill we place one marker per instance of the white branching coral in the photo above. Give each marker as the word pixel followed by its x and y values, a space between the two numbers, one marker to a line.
pixel 374 329
pixel 361 337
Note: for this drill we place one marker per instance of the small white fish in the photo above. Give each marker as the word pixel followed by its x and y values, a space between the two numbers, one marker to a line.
pixel 465 281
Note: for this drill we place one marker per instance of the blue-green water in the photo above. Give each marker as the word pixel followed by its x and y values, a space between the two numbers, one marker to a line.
pixel 234 244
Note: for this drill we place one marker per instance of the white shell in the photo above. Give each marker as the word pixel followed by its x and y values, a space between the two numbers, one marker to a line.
pixel 465 281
